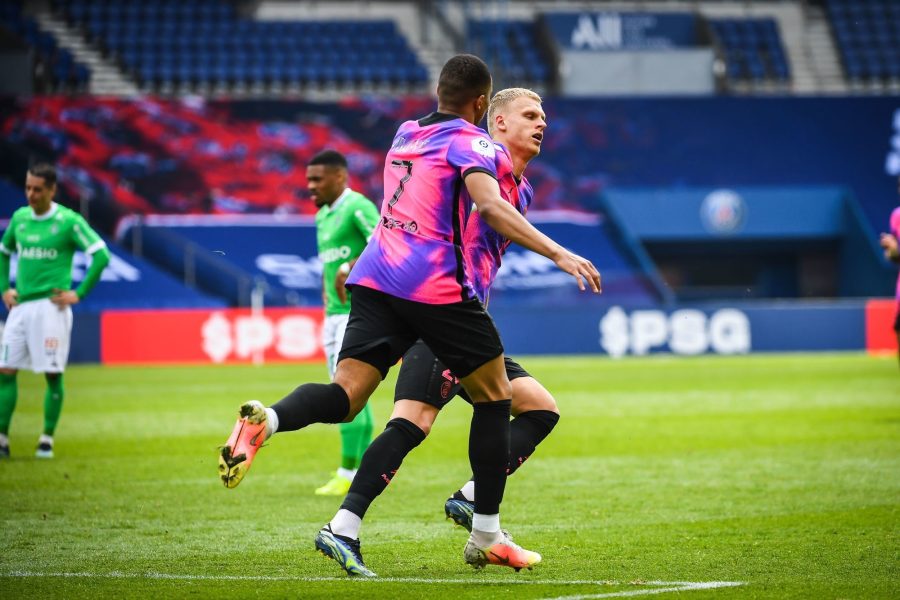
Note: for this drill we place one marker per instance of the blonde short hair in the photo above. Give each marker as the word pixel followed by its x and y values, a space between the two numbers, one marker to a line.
pixel 504 97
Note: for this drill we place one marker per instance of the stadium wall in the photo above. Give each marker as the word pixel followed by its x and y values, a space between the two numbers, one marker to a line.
pixel 284 335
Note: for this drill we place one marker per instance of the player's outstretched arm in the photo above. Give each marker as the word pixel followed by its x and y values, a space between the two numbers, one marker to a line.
pixel 507 221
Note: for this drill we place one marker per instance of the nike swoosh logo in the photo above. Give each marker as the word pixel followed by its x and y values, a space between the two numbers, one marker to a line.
pixel 254 438
pixel 503 559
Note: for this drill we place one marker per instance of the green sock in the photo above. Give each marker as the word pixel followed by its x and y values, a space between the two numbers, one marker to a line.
pixel 53 401
pixel 355 438
pixel 9 391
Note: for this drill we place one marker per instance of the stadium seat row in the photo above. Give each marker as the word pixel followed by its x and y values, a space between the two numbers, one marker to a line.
pixel 206 42
pixel 867 35
pixel 753 49
pixel 65 72
pixel 512 48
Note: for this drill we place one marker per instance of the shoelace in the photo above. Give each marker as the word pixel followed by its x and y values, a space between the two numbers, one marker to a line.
pixel 354 546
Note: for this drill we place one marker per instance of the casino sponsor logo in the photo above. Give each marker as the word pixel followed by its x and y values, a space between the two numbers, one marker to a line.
pixel 685 331
pixel 526 270
pixel 292 271
pixel 723 212
pixel 483 147
pixel 892 161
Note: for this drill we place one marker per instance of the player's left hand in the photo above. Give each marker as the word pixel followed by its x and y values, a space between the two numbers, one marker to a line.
pixel 63 298
pixel 889 244
pixel 339 280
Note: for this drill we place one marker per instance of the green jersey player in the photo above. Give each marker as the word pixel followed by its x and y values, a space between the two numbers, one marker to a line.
pixel 344 224
pixel 45 236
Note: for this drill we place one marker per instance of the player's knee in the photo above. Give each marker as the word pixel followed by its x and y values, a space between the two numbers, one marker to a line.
pixel 52 377
pixel 418 413
pixel 413 432
pixel 7 374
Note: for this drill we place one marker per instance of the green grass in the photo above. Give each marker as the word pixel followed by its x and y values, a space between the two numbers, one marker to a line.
pixel 781 472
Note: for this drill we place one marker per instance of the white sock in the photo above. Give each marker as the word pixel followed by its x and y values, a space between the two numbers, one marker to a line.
pixel 45 439
pixel 348 474
pixel 485 530
pixel 271 423
pixel 4 441
pixel 346 523
pixel 486 523
pixel 468 491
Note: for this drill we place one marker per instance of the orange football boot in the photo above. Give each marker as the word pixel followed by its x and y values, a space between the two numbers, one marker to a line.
pixel 247 437
pixel 504 553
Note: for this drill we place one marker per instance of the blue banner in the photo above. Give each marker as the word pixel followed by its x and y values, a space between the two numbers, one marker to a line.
pixel 738 328
pixel 740 213
pixel 607 31
pixel 131 282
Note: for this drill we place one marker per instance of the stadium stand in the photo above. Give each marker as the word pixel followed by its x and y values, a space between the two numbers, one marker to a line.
pixel 65 73
pixel 513 48
pixel 868 37
pixel 208 45
pixel 753 49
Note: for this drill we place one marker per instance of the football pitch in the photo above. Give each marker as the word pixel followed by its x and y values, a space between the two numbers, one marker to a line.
pixel 740 477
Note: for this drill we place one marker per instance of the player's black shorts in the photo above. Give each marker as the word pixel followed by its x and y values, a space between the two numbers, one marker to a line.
pixel 381 328
pixel 425 378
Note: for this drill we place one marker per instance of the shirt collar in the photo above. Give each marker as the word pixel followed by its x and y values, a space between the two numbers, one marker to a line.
pixel 47 215
pixel 337 201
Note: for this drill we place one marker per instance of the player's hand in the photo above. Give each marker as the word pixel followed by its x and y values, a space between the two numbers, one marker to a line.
pixel 340 279
pixel 10 298
pixel 889 243
pixel 580 268
pixel 63 298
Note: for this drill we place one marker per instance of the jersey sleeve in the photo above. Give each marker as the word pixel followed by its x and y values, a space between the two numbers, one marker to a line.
pixel 895 223
pixel 473 151
pixel 86 238
pixel 8 243
pixel 365 216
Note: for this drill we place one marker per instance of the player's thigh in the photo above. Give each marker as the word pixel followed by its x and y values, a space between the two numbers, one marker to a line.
pixel 14 343
pixel 49 337
pixel 528 394
pixel 488 382
pixel 424 378
pixel 375 334
pixel 462 335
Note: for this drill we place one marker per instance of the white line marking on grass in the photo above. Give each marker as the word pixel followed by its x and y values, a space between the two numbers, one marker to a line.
pixel 663 586
pixel 668 586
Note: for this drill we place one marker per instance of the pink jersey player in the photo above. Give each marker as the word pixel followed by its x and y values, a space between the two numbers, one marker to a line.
pixel 416 251
pixel 895 231
pixel 484 247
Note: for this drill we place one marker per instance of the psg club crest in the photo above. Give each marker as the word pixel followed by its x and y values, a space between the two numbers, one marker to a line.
pixel 723 212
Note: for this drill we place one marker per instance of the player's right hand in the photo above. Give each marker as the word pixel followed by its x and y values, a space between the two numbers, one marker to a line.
pixel 580 268
pixel 10 298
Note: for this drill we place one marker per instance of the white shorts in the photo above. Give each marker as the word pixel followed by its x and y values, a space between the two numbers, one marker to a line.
pixel 36 337
pixel 332 337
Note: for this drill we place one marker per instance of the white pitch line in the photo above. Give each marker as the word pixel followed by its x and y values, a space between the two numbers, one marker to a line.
pixel 664 586
pixel 680 586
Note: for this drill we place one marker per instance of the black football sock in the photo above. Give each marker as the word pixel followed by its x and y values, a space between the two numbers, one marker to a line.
pixel 525 433
pixel 380 463
pixel 489 453
pixel 312 403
